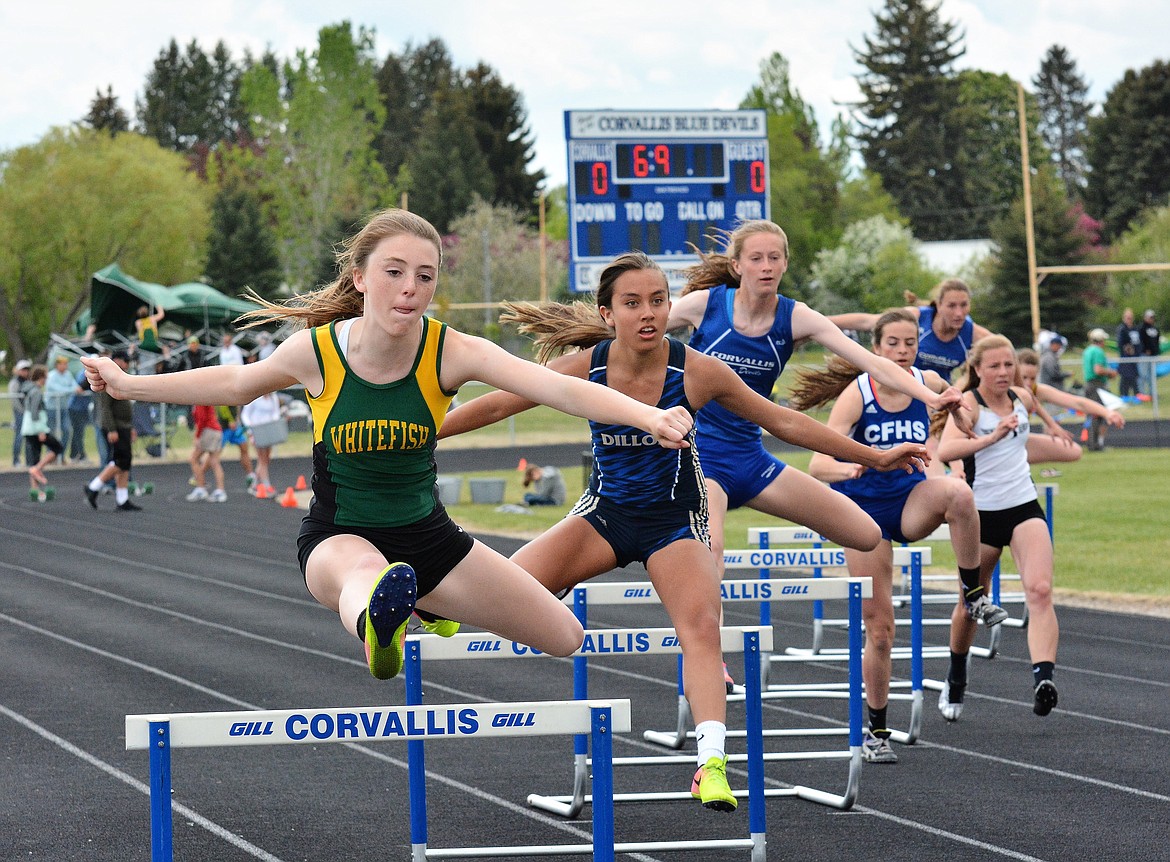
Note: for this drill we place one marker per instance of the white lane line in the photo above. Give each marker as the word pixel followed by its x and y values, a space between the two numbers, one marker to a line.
pixel 199 621
pixel 218 830
pixel 182 810
pixel 153 567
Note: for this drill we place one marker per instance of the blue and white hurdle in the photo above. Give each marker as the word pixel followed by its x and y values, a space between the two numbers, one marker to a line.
pixel 751 640
pixel 765 536
pixel 160 733
pixel 765 591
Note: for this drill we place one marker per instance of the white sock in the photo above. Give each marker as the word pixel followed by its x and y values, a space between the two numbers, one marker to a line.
pixel 121 495
pixel 710 737
pixel 96 483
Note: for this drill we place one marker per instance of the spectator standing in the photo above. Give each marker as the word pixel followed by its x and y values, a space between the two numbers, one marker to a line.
pixel 116 419
pixel 1129 346
pixel 36 429
pixel 79 406
pixel 195 358
pixel 16 392
pixel 59 386
pixel 236 434
pixel 548 486
pixel 260 412
pixel 205 453
pixel 1051 374
pixel 1151 346
pixel 229 351
pixel 264 345
pixel 1097 374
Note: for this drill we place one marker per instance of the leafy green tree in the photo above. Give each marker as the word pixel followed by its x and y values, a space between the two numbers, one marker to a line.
pixel 241 245
pixel 1129 148
pixel 875 262
pixel 316 124
pixel 905 123
pixel 1064 108
pixel 447 168
pixel 500 125
pixel 804 180
pixel 1146 241
pixel 105 114
pixel 78 200
pixel 986 115
pixel 1063 238
pixel 500 240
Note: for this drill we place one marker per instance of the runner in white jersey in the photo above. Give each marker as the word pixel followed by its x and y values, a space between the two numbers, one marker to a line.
pixel 996 462
pixel 906 506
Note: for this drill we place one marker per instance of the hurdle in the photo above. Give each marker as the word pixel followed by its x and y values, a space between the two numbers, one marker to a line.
pixel 751 640
pixel 159 733
pixel 765 536
pixel 765 591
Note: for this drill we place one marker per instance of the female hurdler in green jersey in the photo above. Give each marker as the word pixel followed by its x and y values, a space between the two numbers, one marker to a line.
pixel 379 375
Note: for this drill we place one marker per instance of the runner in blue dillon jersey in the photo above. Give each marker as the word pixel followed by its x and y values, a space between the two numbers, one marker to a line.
pixel 647 504
pixel 907 507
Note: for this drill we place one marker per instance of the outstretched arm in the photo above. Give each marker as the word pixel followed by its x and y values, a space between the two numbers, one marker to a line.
pixel 716 381
pixel 1052 395
pixel 857 320
pixel 293 362
pixel 499 405
pixel 466 357
pixel 807 323
pixel 846 411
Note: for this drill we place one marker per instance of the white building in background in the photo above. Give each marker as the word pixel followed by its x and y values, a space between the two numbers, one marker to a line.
pixel 952 257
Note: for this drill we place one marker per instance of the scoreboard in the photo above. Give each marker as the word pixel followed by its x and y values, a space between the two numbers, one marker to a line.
pixel 660 182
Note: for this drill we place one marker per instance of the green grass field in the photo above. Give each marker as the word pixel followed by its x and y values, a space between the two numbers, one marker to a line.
pixel 1112 523
pixel 1112 536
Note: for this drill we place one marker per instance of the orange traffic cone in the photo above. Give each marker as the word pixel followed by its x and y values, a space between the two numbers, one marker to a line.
pixel 261 491
pixel 523 465
pixel 301 486
pixel 289 500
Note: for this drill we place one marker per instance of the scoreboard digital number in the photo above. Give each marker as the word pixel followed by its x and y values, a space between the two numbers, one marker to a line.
pixel 660 182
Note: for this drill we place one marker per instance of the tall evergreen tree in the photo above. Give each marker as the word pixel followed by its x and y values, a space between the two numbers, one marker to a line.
pixel 500 125
pixel 906 126
pixel 1063 238
pixel 105 114
pixel 447 168
pixel 1129 148
pixel 1064 106
pixel 241 247
pixel 161 110
pixel 190 99
pixel 407 84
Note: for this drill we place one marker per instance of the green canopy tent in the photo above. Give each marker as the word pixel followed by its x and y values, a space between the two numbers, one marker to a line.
pixel 116 297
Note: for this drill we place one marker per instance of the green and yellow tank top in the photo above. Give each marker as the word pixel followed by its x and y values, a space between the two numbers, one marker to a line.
pixel 374 444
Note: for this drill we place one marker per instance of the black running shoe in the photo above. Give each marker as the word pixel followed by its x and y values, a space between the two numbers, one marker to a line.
pixel 129 506
pixel 91 495
pixel 1044 698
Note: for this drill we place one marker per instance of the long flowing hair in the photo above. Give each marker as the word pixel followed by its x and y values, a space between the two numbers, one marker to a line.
pixel 340 298
pixel 714 268
pixel 815 388
pixel 557 328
